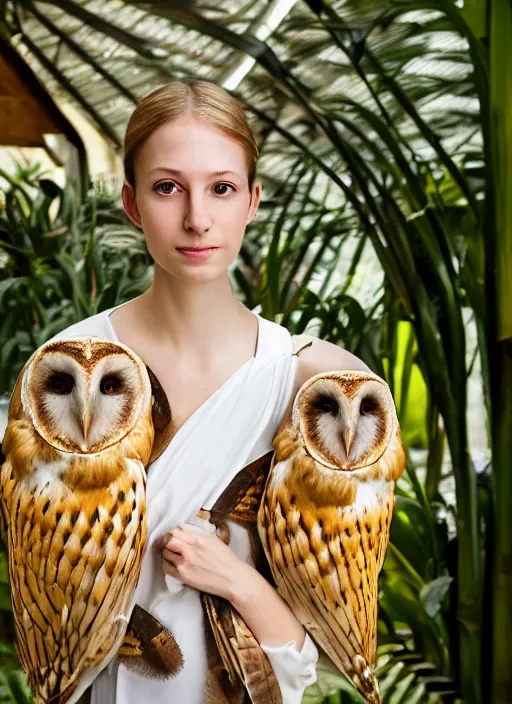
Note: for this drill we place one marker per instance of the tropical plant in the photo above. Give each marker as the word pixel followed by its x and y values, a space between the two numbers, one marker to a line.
pixel 384 132
pixel 417 194
pixel 61 260
pixel 497 120
pixel 13 685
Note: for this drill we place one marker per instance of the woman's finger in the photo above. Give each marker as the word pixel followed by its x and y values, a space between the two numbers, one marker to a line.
pixel 171 570
pixel 174 558
pixel 189 536
pixel 174 544
pixel 163 540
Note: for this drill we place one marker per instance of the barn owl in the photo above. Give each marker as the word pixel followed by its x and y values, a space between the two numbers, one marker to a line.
pixel 247 666
pixel 326 510
pixel 81 430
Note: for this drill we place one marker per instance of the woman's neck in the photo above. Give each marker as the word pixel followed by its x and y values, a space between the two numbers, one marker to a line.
pixel 191 316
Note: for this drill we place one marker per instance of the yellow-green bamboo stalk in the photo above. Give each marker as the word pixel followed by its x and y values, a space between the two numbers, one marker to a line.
pixel 499 289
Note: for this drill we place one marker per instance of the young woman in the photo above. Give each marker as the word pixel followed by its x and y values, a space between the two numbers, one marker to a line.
pixel 229 375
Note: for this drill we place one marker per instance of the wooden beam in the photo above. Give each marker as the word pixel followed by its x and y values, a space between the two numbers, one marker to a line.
pixel 28 112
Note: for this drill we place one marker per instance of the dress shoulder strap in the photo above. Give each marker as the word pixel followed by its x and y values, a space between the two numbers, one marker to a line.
pixel 274 341
pixel 277 339
pixel 302 341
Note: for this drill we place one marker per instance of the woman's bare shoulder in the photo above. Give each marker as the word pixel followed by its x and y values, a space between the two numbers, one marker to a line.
pixel 323 356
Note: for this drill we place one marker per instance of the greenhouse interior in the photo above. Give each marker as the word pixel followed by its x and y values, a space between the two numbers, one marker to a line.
pixel 385 228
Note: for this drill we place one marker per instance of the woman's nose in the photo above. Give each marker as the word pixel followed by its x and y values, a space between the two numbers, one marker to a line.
pixel 197 216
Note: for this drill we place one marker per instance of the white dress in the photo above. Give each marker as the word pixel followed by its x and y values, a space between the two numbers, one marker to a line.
pixel 232 428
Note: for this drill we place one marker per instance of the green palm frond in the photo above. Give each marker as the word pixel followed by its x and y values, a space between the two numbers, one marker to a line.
pixel 53 270
pixel 383 152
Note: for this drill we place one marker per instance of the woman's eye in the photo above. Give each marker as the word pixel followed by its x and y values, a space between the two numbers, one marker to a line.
pixel 223 188
pixel 165 187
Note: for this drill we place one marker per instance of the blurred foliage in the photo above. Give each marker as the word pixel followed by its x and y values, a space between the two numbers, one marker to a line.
pixel 378 230
pixel 13 684
pixel 61 260
pixel 96 236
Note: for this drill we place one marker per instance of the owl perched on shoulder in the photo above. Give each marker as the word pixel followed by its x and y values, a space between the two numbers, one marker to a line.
pixel 85 419
pixel 320 507
pixel 326 512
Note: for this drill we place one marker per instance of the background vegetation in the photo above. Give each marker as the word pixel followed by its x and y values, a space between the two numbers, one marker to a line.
pixel 386 227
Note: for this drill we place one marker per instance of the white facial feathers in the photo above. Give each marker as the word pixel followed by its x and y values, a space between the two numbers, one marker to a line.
pixel 114 386
pixel 346 418
pixel 84 395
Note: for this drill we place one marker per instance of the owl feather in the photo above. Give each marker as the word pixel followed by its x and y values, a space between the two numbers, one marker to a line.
pixel 241 654
pixel 81 430
pixel 326 511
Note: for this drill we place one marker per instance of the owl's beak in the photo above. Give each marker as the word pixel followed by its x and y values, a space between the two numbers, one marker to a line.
pixel 347 437
pixel 86 424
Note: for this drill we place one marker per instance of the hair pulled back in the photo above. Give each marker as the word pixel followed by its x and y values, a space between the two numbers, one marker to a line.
pixel 203 100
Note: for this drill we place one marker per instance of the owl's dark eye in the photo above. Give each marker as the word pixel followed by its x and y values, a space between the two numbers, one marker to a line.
pixel 111 385
pixel 368 406
pixel 60 383
pixel 326 404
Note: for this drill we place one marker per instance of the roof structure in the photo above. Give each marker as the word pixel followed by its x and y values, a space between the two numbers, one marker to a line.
pixel 27 110
pixel 329 80
pixel 104 55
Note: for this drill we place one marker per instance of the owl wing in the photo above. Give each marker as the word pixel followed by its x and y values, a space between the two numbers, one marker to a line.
pixel 241 500
pixel 14 415
pixel 3 527
pixel 149 649
pixel 74 559
pixel 240 651
pixel 161 417
pixel 325 561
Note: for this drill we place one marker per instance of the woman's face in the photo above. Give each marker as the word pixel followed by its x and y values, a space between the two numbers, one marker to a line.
pixel 191 191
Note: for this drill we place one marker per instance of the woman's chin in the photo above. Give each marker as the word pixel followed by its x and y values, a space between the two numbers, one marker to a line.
pixel 197 274
pixel 192 271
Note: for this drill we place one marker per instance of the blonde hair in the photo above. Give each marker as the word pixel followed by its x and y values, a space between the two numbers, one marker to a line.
pixel 203 100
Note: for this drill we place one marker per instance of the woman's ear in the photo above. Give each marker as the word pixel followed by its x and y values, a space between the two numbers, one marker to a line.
pixel 254 202
pixel 130 204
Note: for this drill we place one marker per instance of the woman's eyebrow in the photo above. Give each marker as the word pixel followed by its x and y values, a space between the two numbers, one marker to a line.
pixel 177 172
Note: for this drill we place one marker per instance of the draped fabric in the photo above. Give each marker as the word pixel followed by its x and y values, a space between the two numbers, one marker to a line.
pixel 233 427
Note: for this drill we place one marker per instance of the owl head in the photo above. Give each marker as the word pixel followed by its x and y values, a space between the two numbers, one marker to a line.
pixel 345 419
pixel 84 394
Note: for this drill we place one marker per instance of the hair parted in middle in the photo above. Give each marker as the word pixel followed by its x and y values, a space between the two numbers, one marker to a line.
pixel 201 99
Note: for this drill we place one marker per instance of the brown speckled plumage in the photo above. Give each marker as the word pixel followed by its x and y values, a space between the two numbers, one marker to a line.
pixel 243 660
pixel 326 512
pixel 73 507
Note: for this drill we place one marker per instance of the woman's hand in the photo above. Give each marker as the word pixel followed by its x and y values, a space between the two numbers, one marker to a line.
pixel 201 560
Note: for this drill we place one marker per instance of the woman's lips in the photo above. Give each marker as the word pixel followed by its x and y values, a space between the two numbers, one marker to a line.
pixel 197 253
